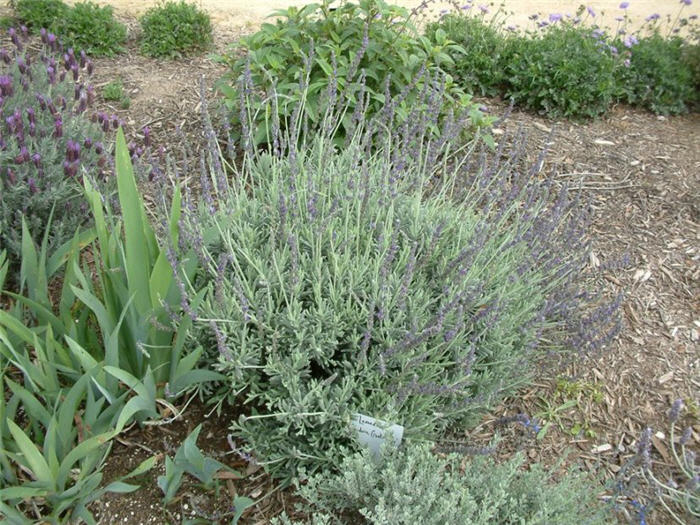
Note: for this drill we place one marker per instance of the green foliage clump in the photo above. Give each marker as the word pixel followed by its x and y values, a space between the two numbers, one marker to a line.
pixel 174 29
pixel 357 54
pixel 40 13
pixel 91 28
pixel 658 75
pixel 476 64
pixel 566 71
pixel 414 485
pixel 114 92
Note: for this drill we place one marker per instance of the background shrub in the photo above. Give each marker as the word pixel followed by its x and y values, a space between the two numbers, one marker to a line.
pixel 657 76
pixel 356 55
pixel 47 143
pixel 413 485
pixel 476 64
pixel 40 13
pixel 91 28
pixel 174 29
pixel 336 286
pixel 565 71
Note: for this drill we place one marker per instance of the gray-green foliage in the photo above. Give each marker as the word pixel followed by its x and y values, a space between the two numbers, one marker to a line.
pixel 345 281
pixel 414 485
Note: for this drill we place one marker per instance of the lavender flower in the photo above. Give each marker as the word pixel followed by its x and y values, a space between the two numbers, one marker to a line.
pixel 591 11
pixel 624 5
pixel 555 17
pixel 675 411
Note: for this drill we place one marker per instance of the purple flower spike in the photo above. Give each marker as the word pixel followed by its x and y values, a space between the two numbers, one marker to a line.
pixel 87 143
pixel 22 65
pixel 74 69
pixel 58 128
pixel 147 136
pixel 44 34
pixel 31 115
pixel 25 31
pixel 90 67
pixel 115 121
pixel 484 9
pixel 590 11
pixel 5 56
pixel 32 186
pixel 83 58
pixel 6 89
pixel 624 5
pixel 687 2
pixel 36 159
pixel 555 17
pixel 11 176
pixel 52 41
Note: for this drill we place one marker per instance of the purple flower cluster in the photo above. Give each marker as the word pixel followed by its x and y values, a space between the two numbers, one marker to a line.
pixel 46 138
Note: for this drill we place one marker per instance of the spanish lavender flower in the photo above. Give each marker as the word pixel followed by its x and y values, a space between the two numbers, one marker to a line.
pixel 43 34
pixel 590 11
pixel 83 58
pixel 58 128
pixel 555 17
pixel 15 39
pixel 147 136
pixel 483 8
pixel 74 70
pixel 25 31
pixel 23 156
pixel 686 2
pixel 36 159
pixel 90 67
pixel 624 5
pixel 6 89
pixel 52 41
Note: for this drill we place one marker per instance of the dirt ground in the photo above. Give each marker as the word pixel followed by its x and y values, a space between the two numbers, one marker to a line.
pixel 247 13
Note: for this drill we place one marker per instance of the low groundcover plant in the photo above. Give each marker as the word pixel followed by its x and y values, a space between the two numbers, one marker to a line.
pixel 414 485
pixel 392 277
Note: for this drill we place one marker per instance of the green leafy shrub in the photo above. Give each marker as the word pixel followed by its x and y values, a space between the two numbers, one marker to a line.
pixel 174 29
pixel 358 55
pixel 40 13
pixel 336 286
pixel 565 71
pixel 477 66
pixel 47 144
pixel 413 485
pixel 656 75
pixel 91 28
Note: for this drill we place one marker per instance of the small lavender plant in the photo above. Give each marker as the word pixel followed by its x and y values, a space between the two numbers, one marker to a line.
pixel 680 496
pixel 395 277
pixel 47 141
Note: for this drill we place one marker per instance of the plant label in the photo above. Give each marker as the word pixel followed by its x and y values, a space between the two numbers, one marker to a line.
pixel 373 432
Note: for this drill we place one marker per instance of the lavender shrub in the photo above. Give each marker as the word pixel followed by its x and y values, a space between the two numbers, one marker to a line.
pixel 396 277
pixel 47 141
